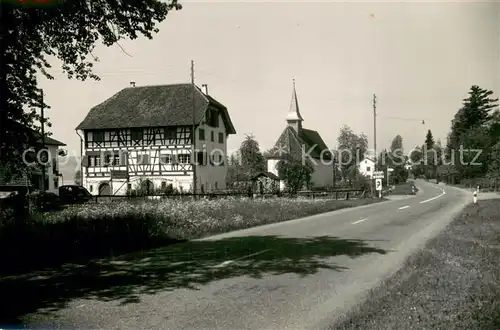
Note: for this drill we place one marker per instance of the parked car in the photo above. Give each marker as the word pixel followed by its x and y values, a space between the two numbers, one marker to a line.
pixel 44 201
pixel 13 196
pixel 74 194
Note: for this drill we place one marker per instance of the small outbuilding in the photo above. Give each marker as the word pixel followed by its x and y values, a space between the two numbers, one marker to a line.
pixel 266 183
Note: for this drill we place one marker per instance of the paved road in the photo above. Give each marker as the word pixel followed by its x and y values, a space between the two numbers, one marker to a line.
pixel 300 274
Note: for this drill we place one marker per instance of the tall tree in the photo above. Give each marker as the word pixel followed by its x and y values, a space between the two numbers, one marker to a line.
pixel 398 160
pixel 416 161
pixel 430 160
pixel 429 140
pixel 397 151
pixel 252 160
pixel 351 149
pixel 69 31
pixel 476 126
pixel 475 112
pixel 439 152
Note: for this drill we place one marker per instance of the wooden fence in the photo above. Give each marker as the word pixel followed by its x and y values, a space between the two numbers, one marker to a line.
pixel 326 194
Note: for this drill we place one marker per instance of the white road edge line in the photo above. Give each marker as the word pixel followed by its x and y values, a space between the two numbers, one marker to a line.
pixel 355 222
pixel 404 207
pixel 228 262
pixel 433 198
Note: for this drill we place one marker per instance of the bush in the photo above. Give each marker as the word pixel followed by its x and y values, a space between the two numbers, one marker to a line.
pixel 40 201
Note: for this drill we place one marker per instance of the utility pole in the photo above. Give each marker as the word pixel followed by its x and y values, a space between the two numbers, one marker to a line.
pixel 375 130
pixel 334 172
pixel 193 135
pixel 374 139
pixel 42 123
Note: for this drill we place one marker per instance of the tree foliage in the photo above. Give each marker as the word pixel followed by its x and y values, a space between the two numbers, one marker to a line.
pixel 395 159
pixel 247 162
pixel 475 132
pixel 68 31
pixel 252 159
pixel 475 112
pixel 429 140
pixel 296 173
pixel 352 148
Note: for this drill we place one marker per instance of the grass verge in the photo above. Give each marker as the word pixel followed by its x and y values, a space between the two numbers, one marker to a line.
pixel 80 233
pixel 453 283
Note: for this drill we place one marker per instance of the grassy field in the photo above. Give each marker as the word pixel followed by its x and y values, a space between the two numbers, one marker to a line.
pixel 453 283
pixel 184 220
pixel 82 232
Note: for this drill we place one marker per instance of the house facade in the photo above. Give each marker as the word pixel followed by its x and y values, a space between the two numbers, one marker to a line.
pixel 36 157
pixel 366 167
pixel 144 134
pixel 53 178
pixel 301 143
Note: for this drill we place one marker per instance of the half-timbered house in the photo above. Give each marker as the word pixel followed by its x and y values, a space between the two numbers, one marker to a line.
pixel 145 133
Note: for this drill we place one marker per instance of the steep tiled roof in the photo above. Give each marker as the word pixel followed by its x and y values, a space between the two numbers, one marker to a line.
pixel 291 143
pixel 21 128
pixel 54 142
pixel 153 106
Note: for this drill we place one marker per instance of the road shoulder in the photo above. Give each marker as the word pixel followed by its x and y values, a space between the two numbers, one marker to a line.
pixel 454 282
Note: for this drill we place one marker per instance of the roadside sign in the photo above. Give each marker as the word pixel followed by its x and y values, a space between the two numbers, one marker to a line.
pixel 378 175
pixel 378 184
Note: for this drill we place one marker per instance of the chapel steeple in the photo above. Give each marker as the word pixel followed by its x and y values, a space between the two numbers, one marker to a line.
pixel 293 118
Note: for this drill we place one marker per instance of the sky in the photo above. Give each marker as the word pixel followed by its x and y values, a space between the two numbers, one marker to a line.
pixel 419 58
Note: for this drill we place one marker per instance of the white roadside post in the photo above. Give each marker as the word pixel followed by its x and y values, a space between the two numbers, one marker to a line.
pixel 389 170
pixel 475 197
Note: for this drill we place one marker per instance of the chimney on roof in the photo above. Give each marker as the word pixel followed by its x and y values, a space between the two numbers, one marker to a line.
pixel 132 84
pixel 204 89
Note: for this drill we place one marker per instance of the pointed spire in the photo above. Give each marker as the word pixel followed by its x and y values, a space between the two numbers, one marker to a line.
pixel 293 113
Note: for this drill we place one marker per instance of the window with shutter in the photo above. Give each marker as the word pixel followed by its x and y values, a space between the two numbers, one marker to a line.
pixel 107 160
pixel 86 161
pixel 123 158
pixel 142 159
pixel 212 136
pixel 98 136
pixel 136 134
pixel 166 159
pixel 199 158
pixel 170 133
pixel 215 119
pixel 221 137
pixel 201 134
